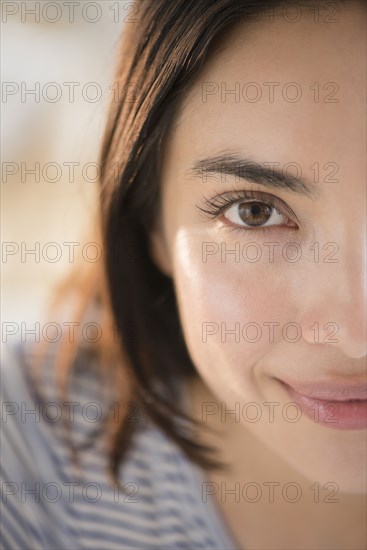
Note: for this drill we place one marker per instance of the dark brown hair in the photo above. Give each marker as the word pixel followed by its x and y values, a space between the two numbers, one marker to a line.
pixel 159 58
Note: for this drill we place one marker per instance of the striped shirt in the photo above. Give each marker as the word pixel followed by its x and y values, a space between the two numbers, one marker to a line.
pixel 50 503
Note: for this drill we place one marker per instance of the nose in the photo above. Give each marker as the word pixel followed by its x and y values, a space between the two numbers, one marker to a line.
pixel 334 300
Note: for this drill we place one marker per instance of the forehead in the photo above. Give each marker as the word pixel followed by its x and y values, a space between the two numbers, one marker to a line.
pixel 286 91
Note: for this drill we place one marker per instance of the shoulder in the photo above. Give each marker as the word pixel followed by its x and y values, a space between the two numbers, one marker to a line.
pixel 18 402
pixel 49 505
pixel 27 461
pixel 32 393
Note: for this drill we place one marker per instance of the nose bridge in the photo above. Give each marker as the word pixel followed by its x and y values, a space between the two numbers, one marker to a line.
pixel 334 299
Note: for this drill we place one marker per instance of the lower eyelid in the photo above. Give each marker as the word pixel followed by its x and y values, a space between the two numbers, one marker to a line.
pixel 244 230
pixel 265 228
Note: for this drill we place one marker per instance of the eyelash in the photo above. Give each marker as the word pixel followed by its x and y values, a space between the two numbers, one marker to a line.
pixel 220 203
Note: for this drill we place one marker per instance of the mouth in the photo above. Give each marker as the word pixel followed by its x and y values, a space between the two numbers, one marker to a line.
pixel 341 406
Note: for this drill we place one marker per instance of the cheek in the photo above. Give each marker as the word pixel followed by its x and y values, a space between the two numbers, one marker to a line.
pixel 224 307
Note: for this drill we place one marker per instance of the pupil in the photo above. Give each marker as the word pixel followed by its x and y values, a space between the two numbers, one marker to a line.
pixel 255 210
pixel 255 213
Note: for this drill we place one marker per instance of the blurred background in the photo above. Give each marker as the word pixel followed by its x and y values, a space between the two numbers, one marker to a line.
pixel 57 62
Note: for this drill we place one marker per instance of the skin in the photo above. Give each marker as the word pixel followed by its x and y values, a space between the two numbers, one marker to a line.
pixel 303 292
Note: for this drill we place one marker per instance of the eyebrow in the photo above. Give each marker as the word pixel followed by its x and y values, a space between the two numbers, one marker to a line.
pixel 268 174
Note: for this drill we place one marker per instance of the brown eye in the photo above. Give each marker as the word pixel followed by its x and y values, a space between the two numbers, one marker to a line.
pixel 252 214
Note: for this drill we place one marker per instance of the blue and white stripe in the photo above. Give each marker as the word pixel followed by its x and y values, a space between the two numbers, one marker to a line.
pixel 165 509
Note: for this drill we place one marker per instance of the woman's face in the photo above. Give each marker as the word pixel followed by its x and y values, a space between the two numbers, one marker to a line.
pixel 275 293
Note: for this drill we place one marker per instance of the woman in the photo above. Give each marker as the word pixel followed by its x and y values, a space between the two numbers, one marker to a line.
pixel 231 410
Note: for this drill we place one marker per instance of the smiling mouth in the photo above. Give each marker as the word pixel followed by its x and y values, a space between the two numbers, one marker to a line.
pixel 341 406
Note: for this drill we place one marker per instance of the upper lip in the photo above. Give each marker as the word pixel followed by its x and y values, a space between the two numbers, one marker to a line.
pixel 329 390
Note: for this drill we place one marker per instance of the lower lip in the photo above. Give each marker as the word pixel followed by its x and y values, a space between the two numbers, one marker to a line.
pixel 340 415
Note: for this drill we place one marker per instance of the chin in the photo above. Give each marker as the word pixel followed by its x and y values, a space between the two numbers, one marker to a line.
pixel 322 455
pixel 344 481
pixel 335 475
